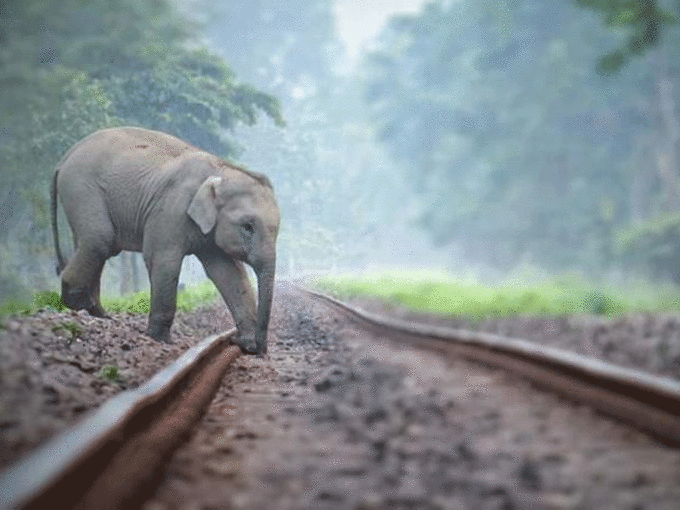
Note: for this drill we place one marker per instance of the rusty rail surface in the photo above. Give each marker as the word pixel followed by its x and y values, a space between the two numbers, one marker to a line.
pixel 647 402
pixel 111 458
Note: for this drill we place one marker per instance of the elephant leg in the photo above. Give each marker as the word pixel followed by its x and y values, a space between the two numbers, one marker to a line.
pixel 231 279
pixel 80 281
pixel 94 239
pixel 164 268
pixel 98 310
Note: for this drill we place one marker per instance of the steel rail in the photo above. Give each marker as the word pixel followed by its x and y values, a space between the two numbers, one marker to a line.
pixel 647 402
pixel 111 458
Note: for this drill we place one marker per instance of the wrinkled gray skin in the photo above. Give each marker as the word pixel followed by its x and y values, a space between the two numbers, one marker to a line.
pixel 140 190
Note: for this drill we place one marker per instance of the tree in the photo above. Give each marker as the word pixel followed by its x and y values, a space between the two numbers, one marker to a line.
pixel 645 20
pixel 516 146
pixel 279 45
pixel 650 238
pixel 338 192
pixel 68 68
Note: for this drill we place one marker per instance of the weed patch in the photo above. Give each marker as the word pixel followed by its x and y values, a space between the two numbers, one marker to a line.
pixel 110 373
pixel 74 329
pixel 188 299
pixel 447 294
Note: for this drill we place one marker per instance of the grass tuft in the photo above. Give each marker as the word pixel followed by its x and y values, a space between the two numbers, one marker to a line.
pixel 72 327
pixel 451 295
pixel 110 373
pixel 49 299
pixel 40 301
pixel 188 299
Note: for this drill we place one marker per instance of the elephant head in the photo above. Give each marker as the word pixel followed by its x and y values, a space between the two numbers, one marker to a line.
pixel 242 212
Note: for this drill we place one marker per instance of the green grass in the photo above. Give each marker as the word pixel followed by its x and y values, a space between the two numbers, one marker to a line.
pixel 110 373
pixel 188 299
pixel 41 300
pixel 72 327
pixel 452 295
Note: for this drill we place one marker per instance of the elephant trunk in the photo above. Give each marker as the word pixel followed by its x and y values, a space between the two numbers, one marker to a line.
pixel 265 293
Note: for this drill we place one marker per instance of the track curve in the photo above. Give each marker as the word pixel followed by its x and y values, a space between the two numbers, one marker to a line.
pixel 108 459
pixel 112 459
pixel 647 402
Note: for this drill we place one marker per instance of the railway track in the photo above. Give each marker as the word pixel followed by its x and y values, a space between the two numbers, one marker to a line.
pixel 109 460
pixel 647 402
pixel 114 458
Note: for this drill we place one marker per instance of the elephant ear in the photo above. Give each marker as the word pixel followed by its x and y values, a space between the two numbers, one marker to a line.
pixel 203 209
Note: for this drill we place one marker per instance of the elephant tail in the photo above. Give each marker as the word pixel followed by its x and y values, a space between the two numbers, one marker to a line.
pixel 61 261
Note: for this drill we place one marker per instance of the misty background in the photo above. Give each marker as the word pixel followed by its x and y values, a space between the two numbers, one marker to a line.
pixel 463 135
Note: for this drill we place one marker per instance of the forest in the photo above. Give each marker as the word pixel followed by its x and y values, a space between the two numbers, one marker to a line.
pixel 463 135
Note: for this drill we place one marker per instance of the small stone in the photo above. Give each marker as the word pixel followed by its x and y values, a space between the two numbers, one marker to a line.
pixel 225 469
pixel 411 488
pixel 330 495
pixel 376 414
pixel 323 386
pixel 639 480
pixel 328 412
pixel 464 452
pixel 370 501
pixel 530 476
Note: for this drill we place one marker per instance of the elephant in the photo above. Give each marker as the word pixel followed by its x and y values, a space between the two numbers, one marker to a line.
pixel 135 189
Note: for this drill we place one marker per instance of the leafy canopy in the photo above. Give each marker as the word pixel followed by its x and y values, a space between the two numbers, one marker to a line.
pixel 70 67
pixel 645 20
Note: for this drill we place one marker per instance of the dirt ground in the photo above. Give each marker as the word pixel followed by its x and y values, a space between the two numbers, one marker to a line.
pixel 336 418
pixel 56 366
pixel 644 341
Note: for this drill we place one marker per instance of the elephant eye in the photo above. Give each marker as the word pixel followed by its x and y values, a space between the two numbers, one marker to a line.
pixel 248 228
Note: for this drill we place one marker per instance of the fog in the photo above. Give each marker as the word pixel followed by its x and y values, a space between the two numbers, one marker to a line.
pixel 466 136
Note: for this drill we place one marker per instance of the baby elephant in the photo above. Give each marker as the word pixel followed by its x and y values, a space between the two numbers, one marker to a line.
pixel 140 190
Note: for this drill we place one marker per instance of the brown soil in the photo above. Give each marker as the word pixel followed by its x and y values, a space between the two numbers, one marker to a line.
pixel 54 366
pixel 647 342
pixel 337 418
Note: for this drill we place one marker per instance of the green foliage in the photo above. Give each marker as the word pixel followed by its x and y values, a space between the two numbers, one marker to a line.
pixel 69 68
pixel 514 144
pixel 49 299
pixel 654 243
pixel 194 296
pixel 137 303
pixel 644 19
pixel 110 373
pixel 598 303
pixel 41 300
pixel 188 299
pixel 499 124
pixel 12 306
pixel 133 63
pixel 447 294
pixel 72 327
pixel 642 234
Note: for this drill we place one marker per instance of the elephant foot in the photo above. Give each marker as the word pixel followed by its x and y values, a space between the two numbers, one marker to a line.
pixel 79 299
pixel 158 333
pixel 247 345
pixel 98 311
pixel 245 351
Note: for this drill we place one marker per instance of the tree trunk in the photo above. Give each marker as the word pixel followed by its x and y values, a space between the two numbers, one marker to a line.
pixel 666 148
pixel 128 272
